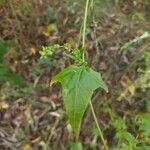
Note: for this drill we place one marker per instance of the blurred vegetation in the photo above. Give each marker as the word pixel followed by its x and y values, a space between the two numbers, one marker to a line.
pixel 32 114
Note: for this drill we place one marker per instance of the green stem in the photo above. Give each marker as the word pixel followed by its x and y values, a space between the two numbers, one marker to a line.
pixel 83 59
pixel 98 127
pixel 82 33
pixel 84 30
pixel 80 36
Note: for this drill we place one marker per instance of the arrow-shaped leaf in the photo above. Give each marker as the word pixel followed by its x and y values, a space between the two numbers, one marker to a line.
pixel 78 85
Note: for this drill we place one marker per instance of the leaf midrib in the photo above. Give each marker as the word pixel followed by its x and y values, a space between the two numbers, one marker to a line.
pixel 77 87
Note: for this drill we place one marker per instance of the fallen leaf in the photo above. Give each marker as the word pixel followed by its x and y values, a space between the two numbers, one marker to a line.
pixel 26 147
pixel 4 105
pixel 132 89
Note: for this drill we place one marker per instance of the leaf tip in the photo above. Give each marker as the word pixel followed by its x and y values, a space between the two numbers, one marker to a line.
pixel 105 87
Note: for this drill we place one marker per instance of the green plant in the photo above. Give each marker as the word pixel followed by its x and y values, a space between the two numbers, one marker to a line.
pixel 78 81
pixel 142 83
pixel 5 72
pixel 126 140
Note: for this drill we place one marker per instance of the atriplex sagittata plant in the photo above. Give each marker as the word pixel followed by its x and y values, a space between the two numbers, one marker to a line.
pixel 78 81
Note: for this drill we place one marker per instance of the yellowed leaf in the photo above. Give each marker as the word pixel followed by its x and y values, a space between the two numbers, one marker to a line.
pixel 26 147
pixel 33 50
pixel 51 27
pixel 46 33
pixel 4 105
pixel 132 89
pixel 2 96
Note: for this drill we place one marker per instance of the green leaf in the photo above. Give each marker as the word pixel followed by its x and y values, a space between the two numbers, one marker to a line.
pixel 78 85
pixel 146 148
pixel 126 136
pixel 7 75
pixel 15 79
pixel 3 72
pixel 76 146
pixel 4 46
pixel 145 123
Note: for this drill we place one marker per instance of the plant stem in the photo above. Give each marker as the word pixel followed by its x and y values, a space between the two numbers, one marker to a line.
pixel 84 30
pixel 80 36
pixel 83 60
pixel 98 127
